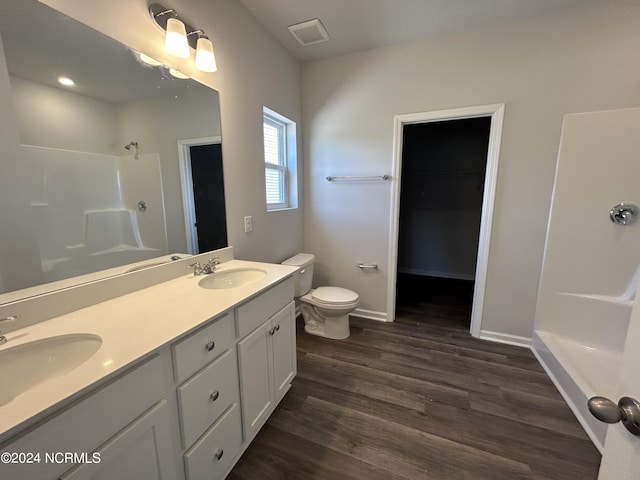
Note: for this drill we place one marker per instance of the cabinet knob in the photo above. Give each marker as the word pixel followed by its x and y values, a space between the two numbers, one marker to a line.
pixel 219 454
pixel 277 327
pixel 214 396
pixel 210 346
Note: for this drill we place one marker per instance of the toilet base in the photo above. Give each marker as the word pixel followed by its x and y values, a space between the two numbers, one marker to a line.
pixel 336 328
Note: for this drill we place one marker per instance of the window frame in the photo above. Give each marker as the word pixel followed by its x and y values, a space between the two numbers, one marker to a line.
pixel 281 166
pixel 286 167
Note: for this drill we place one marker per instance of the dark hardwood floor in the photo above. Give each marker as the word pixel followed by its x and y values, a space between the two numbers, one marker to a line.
pixel 419 398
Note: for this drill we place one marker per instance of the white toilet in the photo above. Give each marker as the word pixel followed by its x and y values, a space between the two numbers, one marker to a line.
pixel 325 309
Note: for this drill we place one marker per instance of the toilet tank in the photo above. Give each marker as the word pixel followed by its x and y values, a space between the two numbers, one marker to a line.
pixel 304 276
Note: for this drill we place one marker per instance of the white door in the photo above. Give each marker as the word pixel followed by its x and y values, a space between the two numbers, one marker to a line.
pixel 621 458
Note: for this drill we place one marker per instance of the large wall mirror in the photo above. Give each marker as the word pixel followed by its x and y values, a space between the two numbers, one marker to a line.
pixel 99 168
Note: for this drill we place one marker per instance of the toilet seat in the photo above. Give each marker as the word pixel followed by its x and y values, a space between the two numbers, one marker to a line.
pixel 334 295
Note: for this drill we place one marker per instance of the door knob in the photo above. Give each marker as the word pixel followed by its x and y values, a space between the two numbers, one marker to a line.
pixel 626 411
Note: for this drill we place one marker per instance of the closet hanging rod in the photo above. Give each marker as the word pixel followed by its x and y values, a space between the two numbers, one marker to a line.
pixel 331 178
pixel 452 174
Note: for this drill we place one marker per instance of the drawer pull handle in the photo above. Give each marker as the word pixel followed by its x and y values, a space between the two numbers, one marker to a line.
pixel 210 346
pixel 214 396
pixel 219 454
pixel 277 327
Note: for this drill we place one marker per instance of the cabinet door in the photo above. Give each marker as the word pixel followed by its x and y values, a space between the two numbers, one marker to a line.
pixel 284 349
pixel 141 451
pixel 256 380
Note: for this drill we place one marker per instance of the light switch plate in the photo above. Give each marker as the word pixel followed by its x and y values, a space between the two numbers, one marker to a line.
pixel 248 224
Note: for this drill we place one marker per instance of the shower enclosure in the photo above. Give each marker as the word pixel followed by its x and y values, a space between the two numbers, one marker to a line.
pixel 592 257
pixel 94 211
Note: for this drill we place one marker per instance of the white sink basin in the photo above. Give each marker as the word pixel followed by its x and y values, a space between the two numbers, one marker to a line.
pixel 25 366
pixel 238 277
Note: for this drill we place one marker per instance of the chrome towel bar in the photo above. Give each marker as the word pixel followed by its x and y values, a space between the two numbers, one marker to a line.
pixel 331 178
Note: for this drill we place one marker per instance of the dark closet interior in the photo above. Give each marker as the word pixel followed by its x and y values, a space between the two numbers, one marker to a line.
pixel 442 186
pixel 208 196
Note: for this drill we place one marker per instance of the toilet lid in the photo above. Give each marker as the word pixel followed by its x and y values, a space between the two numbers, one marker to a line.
pixel 335 295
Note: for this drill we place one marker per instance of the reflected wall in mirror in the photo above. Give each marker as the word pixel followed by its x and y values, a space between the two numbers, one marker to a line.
pixel 91 172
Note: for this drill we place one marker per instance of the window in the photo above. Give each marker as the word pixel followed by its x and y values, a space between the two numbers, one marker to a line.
pixel 280 161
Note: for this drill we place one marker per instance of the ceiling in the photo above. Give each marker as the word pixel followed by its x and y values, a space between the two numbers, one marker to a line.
pixel 355 25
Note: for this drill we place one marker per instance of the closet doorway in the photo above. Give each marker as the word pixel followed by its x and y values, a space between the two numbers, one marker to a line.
pixel 445 167
pixel 203 199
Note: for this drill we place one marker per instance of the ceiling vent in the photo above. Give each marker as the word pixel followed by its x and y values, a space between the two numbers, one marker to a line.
pixel 309 32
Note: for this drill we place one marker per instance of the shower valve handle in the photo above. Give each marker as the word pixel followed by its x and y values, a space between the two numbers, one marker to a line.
pixel 624 213
pixel 626 411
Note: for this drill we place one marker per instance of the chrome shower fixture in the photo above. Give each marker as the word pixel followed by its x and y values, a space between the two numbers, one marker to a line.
pixel 132 144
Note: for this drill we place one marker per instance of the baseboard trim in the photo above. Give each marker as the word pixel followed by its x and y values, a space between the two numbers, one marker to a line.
pixel 506 338
pixel 370 315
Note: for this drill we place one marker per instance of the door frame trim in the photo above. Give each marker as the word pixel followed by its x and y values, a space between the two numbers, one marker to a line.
pixel 186 180
pixel 496 113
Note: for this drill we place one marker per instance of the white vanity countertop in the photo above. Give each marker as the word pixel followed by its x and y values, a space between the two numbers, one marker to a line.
pixel 130 326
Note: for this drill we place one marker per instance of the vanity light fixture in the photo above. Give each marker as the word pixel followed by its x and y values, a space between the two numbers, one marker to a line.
pixel 180 37
pixel 176 42
pixel 205 58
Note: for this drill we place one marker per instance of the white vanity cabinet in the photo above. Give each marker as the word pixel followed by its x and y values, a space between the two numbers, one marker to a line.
pixel 266 355
pixel 187 410
pixel 122 430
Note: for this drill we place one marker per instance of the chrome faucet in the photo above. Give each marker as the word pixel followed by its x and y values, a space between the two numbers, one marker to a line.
pixel 207 268
pixel 10 318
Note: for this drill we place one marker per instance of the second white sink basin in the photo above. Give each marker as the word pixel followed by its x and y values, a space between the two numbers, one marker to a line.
pixel 25 366
pixel 238 277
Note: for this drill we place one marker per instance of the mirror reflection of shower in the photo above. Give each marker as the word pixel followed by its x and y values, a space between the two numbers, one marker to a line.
pixel 133 144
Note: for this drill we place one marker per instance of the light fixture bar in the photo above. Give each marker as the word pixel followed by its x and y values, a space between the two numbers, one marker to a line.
pixel 180 37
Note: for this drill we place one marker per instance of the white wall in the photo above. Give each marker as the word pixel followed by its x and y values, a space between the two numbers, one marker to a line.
pixel 254 71
pixel 54 118
pixel 580 59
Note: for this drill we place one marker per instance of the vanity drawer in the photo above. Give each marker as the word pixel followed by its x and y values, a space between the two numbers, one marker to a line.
pixel 199 348
pixel 254 312
pixel 204 397
pixel 215 452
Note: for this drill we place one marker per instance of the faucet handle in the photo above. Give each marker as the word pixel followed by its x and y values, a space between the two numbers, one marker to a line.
pixel 197 268
pixel 10 318
pixel 212 264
